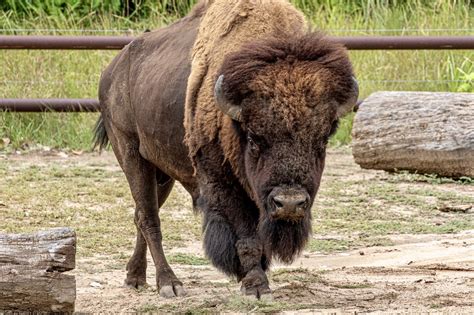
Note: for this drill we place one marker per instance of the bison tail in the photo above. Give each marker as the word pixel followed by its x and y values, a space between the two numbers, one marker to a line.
pixel 101 139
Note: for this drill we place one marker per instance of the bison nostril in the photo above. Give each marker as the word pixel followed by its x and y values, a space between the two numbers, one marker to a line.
pixel 302 203
pixel 278 204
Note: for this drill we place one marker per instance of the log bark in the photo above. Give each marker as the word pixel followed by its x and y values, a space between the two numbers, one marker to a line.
pixel 423 132
pixel 31 271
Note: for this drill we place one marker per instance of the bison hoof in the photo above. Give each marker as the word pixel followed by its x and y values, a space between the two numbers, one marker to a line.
pixel 255 283
pixel 171 291
pixel 262 293
pixel 168 284
pixel 135 283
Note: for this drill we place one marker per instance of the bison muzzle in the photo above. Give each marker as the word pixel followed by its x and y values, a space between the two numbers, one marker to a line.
pixel 236 101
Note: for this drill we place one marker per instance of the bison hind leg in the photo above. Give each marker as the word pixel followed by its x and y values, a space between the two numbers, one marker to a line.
pixel 137 265
pixel 219 245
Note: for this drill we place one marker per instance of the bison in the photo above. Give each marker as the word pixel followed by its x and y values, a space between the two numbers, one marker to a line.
pixel 236 101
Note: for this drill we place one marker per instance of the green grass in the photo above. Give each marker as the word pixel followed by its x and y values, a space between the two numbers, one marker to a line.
pixel 187 259
pixel 87 198
pixel 75 74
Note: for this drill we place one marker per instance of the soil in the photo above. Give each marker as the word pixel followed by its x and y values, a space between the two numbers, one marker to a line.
pixel 431 273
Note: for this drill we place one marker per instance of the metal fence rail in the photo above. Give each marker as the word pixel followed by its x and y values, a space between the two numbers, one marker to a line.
pixel 47 105
pixel 118 42
pixel 353 42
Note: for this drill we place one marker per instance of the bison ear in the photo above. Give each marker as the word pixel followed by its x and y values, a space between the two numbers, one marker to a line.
pixel 347 107
pixel 231 110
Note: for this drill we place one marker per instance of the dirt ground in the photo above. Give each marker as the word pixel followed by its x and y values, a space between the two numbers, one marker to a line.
pixel 426 271
pixel 432 274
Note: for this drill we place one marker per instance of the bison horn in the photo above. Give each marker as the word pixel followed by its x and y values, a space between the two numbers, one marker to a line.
pixel 345 108
pixel 234 111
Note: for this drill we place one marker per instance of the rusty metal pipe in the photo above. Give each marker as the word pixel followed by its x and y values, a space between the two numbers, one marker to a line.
pixel 49 105
pixel 407 42
pixel 60 105
pixel 353 42
pixel 64 42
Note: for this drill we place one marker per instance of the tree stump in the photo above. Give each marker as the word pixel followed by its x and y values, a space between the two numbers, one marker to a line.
pixel 31 271
pixel 423 132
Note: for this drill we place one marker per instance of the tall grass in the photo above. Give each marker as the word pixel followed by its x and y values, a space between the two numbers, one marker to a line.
pixel 75 74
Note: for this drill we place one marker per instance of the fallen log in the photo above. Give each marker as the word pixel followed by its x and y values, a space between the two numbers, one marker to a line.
pixel 31 271
pixel 423 132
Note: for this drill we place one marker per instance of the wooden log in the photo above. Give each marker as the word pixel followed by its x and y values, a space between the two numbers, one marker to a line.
pixel 31 271
pixel 423 132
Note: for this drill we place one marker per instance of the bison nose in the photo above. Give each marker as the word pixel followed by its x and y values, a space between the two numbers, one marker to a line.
pixel 290 205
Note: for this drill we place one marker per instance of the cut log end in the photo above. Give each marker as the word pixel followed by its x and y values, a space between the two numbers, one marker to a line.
pixel 31 271
pixel 423 132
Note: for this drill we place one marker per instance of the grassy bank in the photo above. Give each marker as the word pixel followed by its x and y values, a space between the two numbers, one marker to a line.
pixel 75 74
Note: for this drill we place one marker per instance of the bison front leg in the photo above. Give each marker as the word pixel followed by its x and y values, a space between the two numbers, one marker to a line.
pixel 230 224
pixel 232 246
pixel 255 281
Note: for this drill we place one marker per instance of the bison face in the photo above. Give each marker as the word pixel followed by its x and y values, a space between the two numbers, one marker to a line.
pixel 282 169
pixel 283 131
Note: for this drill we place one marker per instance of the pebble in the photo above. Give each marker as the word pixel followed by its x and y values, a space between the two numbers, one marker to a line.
pixel 95 284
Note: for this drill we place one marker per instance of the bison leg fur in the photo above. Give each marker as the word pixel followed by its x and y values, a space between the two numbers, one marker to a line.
pixel 219 244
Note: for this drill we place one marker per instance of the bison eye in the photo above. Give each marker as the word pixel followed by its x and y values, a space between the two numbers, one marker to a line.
pixel 254 149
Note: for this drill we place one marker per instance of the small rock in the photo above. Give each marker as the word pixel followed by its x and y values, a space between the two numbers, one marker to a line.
pixel 95 284
pixel 361 253
pixel 99 281
pixel 62 154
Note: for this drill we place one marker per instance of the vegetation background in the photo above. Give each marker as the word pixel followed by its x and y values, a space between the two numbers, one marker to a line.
pixel 75 74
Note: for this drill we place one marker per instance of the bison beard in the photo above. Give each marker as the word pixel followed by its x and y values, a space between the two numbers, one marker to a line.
pixel 284 240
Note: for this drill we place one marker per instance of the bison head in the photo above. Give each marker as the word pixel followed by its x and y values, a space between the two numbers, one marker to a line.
pixel 284 97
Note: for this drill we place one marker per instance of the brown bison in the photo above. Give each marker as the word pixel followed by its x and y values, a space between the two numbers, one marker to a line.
pixel 236 101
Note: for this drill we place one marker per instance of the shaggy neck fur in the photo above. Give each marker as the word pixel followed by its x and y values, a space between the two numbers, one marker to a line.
pixel 225 27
